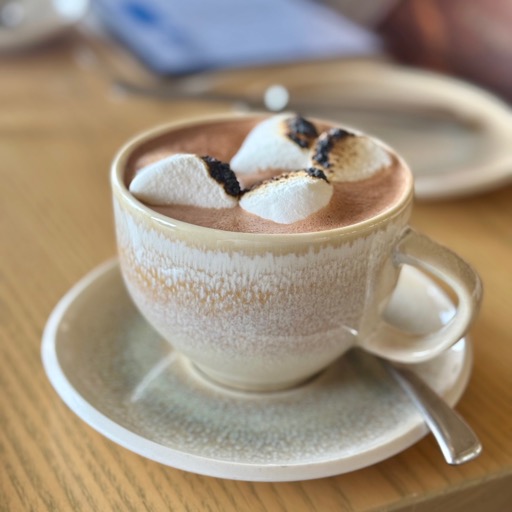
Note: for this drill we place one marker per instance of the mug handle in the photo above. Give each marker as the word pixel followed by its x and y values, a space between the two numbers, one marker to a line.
pixel 418 250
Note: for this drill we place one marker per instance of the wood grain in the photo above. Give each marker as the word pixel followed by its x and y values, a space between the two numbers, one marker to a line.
pixel 60 125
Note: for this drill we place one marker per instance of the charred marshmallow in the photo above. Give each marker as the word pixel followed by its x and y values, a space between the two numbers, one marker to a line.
pixel 347 156
pixel 188 180
pixel 279 142
pixel 290 197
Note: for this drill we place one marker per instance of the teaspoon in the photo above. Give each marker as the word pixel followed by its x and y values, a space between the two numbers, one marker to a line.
pixel 456 439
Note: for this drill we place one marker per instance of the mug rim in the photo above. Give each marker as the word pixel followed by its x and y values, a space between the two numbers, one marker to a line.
pixel 118 170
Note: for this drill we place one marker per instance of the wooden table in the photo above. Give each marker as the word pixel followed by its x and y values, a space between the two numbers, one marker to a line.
pixel 60 124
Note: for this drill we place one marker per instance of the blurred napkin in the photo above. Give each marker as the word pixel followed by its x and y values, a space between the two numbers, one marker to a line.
pixel 181 36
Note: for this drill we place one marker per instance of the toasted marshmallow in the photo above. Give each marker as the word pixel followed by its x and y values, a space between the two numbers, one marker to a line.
pixel 346 156
pixel 188 180
pixel 280 142
pixel 289 197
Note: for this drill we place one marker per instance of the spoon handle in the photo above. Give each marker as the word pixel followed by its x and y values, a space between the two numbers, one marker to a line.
pixel 455 438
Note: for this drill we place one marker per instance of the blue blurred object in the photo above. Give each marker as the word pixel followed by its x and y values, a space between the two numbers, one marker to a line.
pixel 181 36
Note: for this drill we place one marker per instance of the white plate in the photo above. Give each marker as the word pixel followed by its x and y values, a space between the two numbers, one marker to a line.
pixel 122 379
pixel 455 136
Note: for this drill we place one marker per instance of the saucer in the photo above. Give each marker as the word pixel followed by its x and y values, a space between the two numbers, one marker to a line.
pixel 118 375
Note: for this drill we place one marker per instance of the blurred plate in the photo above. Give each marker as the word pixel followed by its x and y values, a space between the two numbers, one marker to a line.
pixel 455 136
pixel 25 23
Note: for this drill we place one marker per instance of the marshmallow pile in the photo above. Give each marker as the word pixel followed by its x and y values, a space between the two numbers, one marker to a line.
pixel 309 162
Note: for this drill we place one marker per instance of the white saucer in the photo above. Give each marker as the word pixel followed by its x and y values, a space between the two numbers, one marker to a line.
pixel 121 378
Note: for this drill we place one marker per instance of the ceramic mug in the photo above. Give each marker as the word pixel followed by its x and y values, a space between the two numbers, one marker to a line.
pixel 266 312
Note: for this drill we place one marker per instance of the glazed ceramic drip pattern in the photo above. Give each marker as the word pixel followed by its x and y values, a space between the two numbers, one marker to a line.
pixel 316 294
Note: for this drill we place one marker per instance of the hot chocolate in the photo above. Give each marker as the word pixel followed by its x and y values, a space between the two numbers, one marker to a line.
pixel 352 201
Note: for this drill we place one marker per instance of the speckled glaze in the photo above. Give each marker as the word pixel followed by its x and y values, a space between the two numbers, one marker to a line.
pixel 256 311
